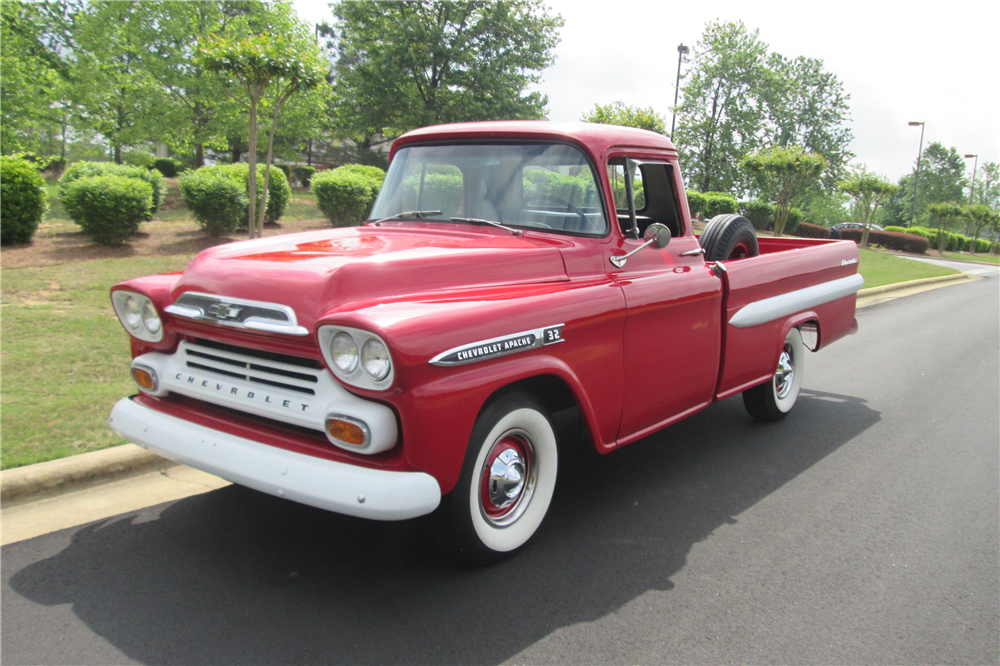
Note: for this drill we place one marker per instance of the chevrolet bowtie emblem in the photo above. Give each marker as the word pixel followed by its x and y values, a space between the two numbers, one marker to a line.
pixel 224 311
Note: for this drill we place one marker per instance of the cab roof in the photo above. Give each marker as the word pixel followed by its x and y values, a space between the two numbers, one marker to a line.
pixel 594 137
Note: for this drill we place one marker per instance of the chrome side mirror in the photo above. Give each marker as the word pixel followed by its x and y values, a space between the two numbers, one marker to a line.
pixel 657 235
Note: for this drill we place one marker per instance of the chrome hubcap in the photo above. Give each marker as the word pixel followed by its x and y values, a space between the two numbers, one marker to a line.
pixel 507 481
pixel 785 373
pixel 506 478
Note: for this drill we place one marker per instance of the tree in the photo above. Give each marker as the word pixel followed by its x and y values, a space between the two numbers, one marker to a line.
pixel 191 110
pixel 987 190
pixel 740 98
pixel 269 69
pixel 868 190
pixel 783 175
pixel 945 215
pixel 617 113
pixel 36 76
pixel 402 65
pixel 979 216
pixel 808 107
pixel 117 94
pixel 720 117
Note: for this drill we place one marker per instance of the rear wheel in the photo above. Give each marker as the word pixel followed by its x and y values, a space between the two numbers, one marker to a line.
pixel 772 400
pixel 729 237
pixel 507 481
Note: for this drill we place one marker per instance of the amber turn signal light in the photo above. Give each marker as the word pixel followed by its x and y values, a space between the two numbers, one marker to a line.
pixel 144 379
pixel 346 432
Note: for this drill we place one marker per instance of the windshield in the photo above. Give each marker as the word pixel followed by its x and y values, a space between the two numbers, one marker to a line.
pixel 529 186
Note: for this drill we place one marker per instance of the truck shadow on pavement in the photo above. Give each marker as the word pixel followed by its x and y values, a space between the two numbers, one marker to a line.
pixel 234 576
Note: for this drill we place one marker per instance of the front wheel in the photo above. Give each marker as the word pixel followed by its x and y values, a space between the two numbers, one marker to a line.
pixel 771 401
pixel 506 483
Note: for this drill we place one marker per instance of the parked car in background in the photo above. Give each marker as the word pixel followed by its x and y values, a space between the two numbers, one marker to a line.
pixel 835 229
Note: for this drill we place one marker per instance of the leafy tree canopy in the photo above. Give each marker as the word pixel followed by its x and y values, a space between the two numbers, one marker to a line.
pixel 783 174
pixel 868 190
pixel 402 65
pixel 739 97
pixel 618 113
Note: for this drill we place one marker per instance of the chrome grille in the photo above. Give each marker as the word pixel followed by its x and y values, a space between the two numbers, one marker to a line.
pixel 292 373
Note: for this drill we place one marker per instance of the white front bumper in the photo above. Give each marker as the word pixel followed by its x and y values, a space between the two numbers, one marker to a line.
pixel 326 484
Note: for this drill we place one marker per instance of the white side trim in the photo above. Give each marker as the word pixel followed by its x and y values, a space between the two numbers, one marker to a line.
pixel 769 309
pixel 326 484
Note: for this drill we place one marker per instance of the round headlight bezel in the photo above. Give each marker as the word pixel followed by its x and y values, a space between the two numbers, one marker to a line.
pixel 138 315
pixel 151 318
pixel 131 313
pixel 345 355
pixel 375 353
pixel 357 376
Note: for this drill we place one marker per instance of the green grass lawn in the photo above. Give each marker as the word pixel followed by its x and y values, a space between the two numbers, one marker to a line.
pixel 64 356
pixel 880 268
pixel 977 258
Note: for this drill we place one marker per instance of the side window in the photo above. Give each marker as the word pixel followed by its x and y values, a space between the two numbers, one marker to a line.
pixel 652 191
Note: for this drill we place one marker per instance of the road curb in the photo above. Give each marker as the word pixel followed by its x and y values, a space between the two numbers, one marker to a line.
pixel 31 482
pixel 912 283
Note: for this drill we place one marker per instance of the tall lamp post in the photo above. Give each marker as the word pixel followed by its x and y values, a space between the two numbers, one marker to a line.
pixel 681 50
pixel 916 179
pixel 975 165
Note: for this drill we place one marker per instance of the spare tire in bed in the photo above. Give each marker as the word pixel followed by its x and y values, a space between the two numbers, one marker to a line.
pixel 729 237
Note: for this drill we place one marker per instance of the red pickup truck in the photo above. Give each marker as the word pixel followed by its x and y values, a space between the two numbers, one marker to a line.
pixel 509 270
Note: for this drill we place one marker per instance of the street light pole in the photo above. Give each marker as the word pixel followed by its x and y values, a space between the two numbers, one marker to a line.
pixel 916 179
pixel 975 165
pixel 681 50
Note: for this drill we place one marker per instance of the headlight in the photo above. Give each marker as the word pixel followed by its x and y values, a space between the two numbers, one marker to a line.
pixel 138 315
pixel 357 357
pixel 150 318
pixel 375 359
pixel 130 312
pixel 344 351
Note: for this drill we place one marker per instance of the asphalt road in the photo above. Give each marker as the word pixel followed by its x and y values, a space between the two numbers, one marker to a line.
pixel 862 529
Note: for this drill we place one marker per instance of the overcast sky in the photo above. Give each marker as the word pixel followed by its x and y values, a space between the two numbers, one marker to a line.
pixel 899 62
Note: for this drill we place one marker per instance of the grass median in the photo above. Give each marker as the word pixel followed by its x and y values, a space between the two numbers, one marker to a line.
pixel 65 357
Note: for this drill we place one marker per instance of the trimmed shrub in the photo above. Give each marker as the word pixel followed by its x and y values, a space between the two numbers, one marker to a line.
pixel 22 200
pixel 806 230
pixel 760 213
pixel 139 158
pixel 285 169
pixel 889 239
pixel 345 197
pixel 218 201
pixel 696 204
pixel 303 174
pixel 718 203
pixel 278 190
pixel 166 166
pixel 108 208
pixel 87 169
pixel 54 165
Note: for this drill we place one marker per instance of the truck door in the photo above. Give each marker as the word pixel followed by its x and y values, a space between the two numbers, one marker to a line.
pixel 672 325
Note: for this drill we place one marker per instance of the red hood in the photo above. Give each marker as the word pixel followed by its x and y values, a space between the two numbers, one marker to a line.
pixel 318 271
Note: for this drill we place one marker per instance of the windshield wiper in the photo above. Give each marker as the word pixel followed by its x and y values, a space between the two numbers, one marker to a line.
pixel 474 220
pixel 407 213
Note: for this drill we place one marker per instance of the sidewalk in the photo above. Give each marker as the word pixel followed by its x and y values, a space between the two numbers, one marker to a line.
pixel 136 478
